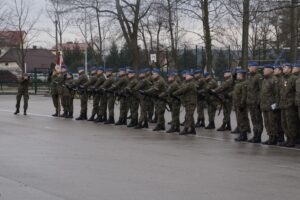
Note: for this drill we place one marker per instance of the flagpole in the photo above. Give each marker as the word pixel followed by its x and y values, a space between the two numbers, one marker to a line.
pixel 85 33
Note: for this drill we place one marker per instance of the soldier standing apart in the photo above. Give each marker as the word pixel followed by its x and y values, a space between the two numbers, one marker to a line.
pixel 60 83
pixel 132 99
pixel 23 84
pixel 68 96
pixel 239 97
pixel 268 104
pixel 289 114
pixel 211 84
pixel 119 86
pixel 143 84
pixel 54 92
pixel 278 78
pixel 159 86
pixel 99 100
pixel 225 90
pixel 200 80
pixel 174 102
pixel 110 97
pixel 188 92
pixel 79 83
pixel 253 90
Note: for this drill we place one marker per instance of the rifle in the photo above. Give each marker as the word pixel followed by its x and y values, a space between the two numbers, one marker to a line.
pixel 158 98
pixel 203 93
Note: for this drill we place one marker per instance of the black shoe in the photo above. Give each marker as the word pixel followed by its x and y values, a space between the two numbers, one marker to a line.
pixel 242 137
pixel 192 131
pixel 271 141
pixel 129 117
pixel 182 124
pixel 104 119
pixel 171 130
pixel 184 131
pixel 84 116
pixel 64 114
pixel 169 123
pixel 222 128
pixel 211 125
pixel 132 123
pixel 92 118
pixel 17 111
pixel 228 127
pixel 145 124
pixel 159 127
pixel 255 140
pixel 235 131
pixel 280 138
pixel 25 113
pixel 70 115
pixel 122 121
pixel 139 126
pixel 110 120
pixel 80 118
pixel 99 119
pixel 55 114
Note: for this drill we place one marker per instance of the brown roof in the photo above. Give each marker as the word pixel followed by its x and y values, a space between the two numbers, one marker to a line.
pixel 10 38
pixel 72 45
pixel 35 58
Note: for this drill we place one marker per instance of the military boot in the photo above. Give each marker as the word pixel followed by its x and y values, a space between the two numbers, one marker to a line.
pixel 84 116
pixel 184 131
pixel 17 111
pixel 110 120
pixel 80 118
pixel 25 112
pixel 198 123
pixel 92 118
pixel 211 125
pixel 104 119
pixel 255 139
pixel 159 127
pixel 228 126
pixel 280 138
pixel 155 119
pixel 145 124
pixel 64 114
pixel 122 121
pixel 271 141
pixel 242 137
pixel 171 129
pixel 132 123
pixel 55 114
pixel 150 115
pixel 192 131
pixel 235 131
pixel 139 125
pixel 70 115
pixel 222 128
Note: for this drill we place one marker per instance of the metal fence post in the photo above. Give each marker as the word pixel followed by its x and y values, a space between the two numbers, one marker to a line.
pixel 35 81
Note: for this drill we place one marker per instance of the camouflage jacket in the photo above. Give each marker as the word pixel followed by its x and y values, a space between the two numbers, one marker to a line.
pixel 60 83
pixel 253 88
pixel 288 91
pixel 91 82
pixel 239 94
pixel 297 96
pixel 100 80
pixel 81 81
pixel 23 85
pixel 53 84
pixel 277 84
pixel 159 86
pixel 188 92
pixel 267 93
pixel 226 88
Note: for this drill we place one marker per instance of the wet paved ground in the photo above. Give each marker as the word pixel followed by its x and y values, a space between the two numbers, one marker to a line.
pixel 48 158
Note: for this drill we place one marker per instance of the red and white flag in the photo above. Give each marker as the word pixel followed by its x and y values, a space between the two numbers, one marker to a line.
pixel 59 61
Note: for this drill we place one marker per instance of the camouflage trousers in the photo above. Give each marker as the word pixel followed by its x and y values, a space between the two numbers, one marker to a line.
pixel 68 103
pixel 143 111
pixel 175 112
pixel 160 108
pixel 189 116
pixel 271 123
pixel 123 107
pixel 200 110
pixel 290 122
pixel 211 111
pixel 227 107
pixel 150 108
pixel 83 103
pixel 256 119
pixel 96 101
pixel 103 106
pixel 133 107
pixel 111 105
pixel 55 101
pixel 25 98
pixel 242 119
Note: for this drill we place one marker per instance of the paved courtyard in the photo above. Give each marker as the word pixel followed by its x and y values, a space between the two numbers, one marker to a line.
pixel 46 158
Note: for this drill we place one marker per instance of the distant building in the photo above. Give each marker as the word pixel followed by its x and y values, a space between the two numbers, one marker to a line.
pixel 10 39
pixel 71 46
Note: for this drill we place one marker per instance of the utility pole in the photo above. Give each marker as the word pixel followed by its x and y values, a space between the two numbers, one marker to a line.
pixel 86 43
pixel 56 36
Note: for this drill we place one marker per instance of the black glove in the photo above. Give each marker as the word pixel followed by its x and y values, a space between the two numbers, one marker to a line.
pixel 241 109
pixel 142 92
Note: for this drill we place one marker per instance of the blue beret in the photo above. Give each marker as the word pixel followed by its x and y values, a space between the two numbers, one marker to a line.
pixel 288 65
pixel 183 72
pixel 297 65
pixel 80 68
pixel 189 72
pixel 241 71
pixel 122 69
pixel 156 70
pixel 277 66
pixel 198 71
pixel 93 69
pixel 146 70
pixel 100 68
pixel 206 74
pixel 64 67
pixel 131 71
pixel 269 66
pixel 108 69
pixel 171 74
pixel 252 63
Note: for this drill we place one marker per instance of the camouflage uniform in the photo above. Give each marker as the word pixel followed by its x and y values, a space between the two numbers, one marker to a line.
pixel 253 89
pixel 239 97
pixel 143 84
pixel 188 91
pixel 278 81
pixel 68 97
pixel 60 82
pixel 119 86
pixel 289 114
pixel 22 91
pixel 82 82
pixel 110 99
pixel 99 98
pixel 150 104
pixel 54 92
pixel 133 102
pixel 267 99
pixel 201 84
pixel 159 86
pixel 225 90
pixel 212 104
